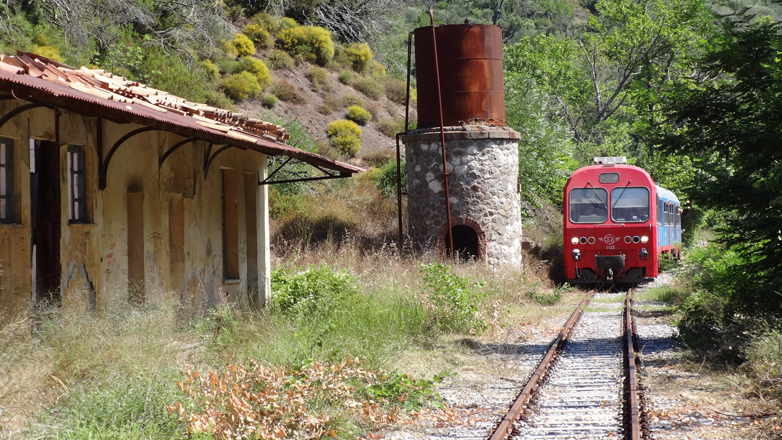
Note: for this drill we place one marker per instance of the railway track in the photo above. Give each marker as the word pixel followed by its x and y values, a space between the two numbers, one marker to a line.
pixel 585 387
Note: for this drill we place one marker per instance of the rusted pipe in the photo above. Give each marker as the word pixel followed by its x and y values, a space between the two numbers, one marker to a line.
pixel 449 235
pixel 399 188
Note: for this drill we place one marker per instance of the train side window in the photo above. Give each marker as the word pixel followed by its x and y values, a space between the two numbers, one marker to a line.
pixel 588 205
pixel 630 205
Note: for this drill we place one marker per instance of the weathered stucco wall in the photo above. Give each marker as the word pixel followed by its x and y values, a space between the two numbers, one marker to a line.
pixel 182 218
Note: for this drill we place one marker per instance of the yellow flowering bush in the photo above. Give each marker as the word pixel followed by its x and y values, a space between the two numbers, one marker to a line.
pixel 311 42
pixel 346 136
pixel 359 55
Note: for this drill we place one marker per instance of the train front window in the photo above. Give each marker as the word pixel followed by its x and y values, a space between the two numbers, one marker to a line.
pixel 629 205
pixel 588 205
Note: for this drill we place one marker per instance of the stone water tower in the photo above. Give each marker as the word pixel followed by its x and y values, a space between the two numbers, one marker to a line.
pixel 481 152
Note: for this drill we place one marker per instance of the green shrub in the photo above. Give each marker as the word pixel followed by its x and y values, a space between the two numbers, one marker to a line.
pixel 318 76
pixel 348 100
pixel 396 90
pixel 269 101
pixel 369 87
pixel 288 23
pixel 346 77
pixel 287 92
pixel 244 45
pixel 325 108
pixel 315 288
pixel 359 55
pixel 259 35
pixel 258 69
pixel 346 136
pixel 386 179
pixel 454 307
pixel 279 59
pixel 310 42
pixel 240 86
pixel 359 115
pixel 265 21
pixel 391 127
pixel 211 71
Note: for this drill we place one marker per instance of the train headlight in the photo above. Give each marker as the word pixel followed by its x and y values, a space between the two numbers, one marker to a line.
pixel 643 254
pixel 574 240
pixel 576 254
pixel 583 240
pixel 636 239
pixel 644 239
pixel 591 240
pixel 628 239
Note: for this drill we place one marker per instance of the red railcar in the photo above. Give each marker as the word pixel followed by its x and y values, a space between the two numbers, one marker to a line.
pixel 611 223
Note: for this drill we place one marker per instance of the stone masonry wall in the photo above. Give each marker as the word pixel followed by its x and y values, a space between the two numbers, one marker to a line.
pixel 483 166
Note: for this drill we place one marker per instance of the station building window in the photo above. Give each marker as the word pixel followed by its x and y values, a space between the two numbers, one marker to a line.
pixel 6 180
pixel 77 188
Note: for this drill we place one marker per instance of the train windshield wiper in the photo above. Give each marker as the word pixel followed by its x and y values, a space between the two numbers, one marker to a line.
pixel 597 194
pixel 620 195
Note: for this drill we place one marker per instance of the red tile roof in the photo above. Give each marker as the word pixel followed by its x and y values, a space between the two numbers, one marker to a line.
pixel 95 92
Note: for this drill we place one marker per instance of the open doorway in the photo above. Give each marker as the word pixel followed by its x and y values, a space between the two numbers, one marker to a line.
pixel 46 215
pixel 466 244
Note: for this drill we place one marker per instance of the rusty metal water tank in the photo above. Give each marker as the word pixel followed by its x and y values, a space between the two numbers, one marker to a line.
pixel 470 60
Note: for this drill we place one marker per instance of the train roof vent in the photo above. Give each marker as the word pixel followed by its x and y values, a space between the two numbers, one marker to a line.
pixel 611 161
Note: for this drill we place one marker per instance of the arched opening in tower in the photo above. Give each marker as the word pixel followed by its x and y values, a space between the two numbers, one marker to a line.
pixel 466 244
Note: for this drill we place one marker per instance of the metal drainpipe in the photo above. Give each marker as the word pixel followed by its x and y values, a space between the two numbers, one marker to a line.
pixel 398 154
pixel 442 138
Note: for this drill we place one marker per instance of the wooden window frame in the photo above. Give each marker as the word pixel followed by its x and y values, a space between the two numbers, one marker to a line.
pixel 77 184
pixel 7 211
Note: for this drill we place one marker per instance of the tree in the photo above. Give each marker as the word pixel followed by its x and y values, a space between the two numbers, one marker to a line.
pixel 594 79
pixel 727 119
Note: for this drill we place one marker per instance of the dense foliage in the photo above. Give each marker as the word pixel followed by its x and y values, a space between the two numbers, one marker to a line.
pixel 727 120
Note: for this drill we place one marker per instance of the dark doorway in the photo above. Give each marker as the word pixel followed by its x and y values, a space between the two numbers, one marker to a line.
pixel 46 221
pixel 466 244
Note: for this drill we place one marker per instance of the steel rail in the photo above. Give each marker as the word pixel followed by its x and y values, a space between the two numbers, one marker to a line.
pixel 505 427
pixel 633 428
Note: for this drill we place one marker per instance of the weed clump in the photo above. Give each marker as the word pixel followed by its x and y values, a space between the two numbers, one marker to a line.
pixel 346 77
pixel 317 76
pixel 350 99
pixel 317 288
pixel 266 396
pixel 270 100
pixel 452 304
pixel 390 127
pixel 396 90
pixel 359 115
pixel 346 136
pixel 311 42
pixel 386 178
pixel 369 87
pixel 287 92
pixel 279 59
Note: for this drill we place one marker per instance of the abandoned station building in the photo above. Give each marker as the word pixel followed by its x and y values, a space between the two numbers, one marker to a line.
pixel 112 191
